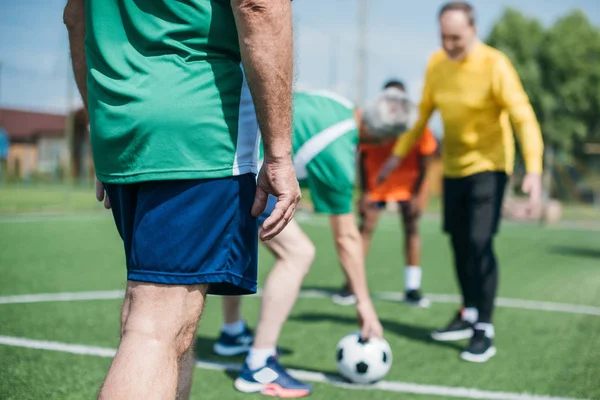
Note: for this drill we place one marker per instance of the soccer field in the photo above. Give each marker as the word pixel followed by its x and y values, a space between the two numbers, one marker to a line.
pixel 59 346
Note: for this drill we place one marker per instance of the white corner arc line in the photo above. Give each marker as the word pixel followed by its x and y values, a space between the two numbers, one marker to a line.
pixel 318 294
pixel 389 386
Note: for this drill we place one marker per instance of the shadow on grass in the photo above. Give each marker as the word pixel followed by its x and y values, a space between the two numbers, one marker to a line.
pixel 204 351
pixel 583 252
pixel 412 332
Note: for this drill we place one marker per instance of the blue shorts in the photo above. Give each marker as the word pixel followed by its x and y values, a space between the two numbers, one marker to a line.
pixel 268 210
pixel 189 232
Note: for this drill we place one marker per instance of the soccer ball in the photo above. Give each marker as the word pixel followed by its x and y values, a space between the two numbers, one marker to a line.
pixel 389 114
pixel 363 362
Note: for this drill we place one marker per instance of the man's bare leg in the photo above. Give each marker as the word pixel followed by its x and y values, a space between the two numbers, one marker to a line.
pixel 368 223
pixel 367 227
pixel 188 361
pixel 186 373
pixel 232 312
pixel 159 327
pixel 412 252
pixel 412 238
pixel 295 254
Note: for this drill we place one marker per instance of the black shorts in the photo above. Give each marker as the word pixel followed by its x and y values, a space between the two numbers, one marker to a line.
pixel 474 203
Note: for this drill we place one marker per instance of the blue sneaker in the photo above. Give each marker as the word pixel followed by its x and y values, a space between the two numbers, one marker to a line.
pixel 228 345
pixel 271 380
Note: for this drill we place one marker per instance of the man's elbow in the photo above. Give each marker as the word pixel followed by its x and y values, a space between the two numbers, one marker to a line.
pixel 251 7
pixel 74 14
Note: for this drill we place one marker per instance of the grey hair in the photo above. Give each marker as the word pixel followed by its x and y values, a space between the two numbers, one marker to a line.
pixel 390 113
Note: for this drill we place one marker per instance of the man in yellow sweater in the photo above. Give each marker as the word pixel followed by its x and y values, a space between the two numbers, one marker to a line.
pixel 478 93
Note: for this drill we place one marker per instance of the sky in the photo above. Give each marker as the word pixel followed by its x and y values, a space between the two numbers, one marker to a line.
pixel 401 35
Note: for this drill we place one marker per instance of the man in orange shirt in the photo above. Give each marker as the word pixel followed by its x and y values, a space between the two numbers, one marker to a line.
pixel 405 186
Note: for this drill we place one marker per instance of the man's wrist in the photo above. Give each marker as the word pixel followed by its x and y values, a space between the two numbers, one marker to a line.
pixel 281 157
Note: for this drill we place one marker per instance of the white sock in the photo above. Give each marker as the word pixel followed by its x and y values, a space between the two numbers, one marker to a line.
pixel 257 358
pixel 488 328
pixel 234 329
pixel 470 314
pixel 412 277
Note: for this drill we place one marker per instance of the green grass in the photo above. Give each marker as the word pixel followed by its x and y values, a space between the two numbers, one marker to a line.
pixel 22 198
pixel 544 353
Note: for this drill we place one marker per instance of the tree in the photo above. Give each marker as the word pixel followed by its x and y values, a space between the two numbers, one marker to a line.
pixel 521 38
pixel 560 71
pixel 570 62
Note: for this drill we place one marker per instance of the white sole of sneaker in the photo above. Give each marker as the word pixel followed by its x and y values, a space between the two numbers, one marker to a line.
pixel 272 390
pixel 479 358
pixel 244 386
pixel 230 351
pixel 344 300
pixel 452 336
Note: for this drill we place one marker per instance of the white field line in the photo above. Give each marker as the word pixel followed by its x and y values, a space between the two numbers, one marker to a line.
pixel 303 217
pixel 68 296
pixel 317 294
pixel 389 386
pixel 41 217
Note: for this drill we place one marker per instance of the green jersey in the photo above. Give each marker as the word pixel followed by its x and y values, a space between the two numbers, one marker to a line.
pixel 324 149
pixel 166 91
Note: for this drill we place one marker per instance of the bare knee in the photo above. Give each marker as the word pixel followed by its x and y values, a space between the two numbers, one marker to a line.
pixel 302 254
pixel 298 254
pixel 164 316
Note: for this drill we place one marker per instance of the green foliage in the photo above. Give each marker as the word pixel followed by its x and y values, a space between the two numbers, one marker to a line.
pixel 560 70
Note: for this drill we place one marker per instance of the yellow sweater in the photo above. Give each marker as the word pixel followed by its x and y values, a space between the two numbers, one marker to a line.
pixel 475 97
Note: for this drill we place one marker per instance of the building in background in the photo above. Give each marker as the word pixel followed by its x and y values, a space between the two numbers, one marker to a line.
pixel 81 164
pixel 38 143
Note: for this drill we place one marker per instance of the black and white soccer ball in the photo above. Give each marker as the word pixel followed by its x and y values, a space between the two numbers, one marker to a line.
pixel 363 362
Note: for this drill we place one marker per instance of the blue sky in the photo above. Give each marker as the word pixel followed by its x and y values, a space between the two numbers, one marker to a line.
pixel 36 71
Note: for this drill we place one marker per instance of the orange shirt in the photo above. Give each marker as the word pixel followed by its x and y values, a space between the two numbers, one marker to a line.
pixel 399 185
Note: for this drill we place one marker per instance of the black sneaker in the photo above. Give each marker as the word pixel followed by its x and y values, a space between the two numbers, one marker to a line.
pixel 457 329
pixel 229 345
pixel 344 297
pixel 416 298
pixel 480 348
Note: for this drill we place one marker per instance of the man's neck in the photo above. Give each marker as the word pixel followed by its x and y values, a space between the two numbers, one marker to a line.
pixel 470 50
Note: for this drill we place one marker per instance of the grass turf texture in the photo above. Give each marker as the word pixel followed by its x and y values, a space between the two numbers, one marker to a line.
pixel 544 353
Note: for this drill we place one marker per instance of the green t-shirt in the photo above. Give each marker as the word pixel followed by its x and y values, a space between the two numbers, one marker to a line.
pixel 324 149
pixel 166 91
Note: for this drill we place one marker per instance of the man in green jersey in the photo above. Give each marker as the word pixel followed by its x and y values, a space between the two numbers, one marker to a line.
pixel 174 124
pixel 324 141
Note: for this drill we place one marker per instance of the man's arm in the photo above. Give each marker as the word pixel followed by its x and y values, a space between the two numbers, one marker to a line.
pixel 266 46
pixel 510 94
pixel 74 19
pixel 407 140
pixel 350 252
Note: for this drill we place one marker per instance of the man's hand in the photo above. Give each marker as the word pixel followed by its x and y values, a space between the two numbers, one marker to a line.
pixel 390 165
pixel 276 178
pixel 532 185
pixel 368 320
pixel 101 194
